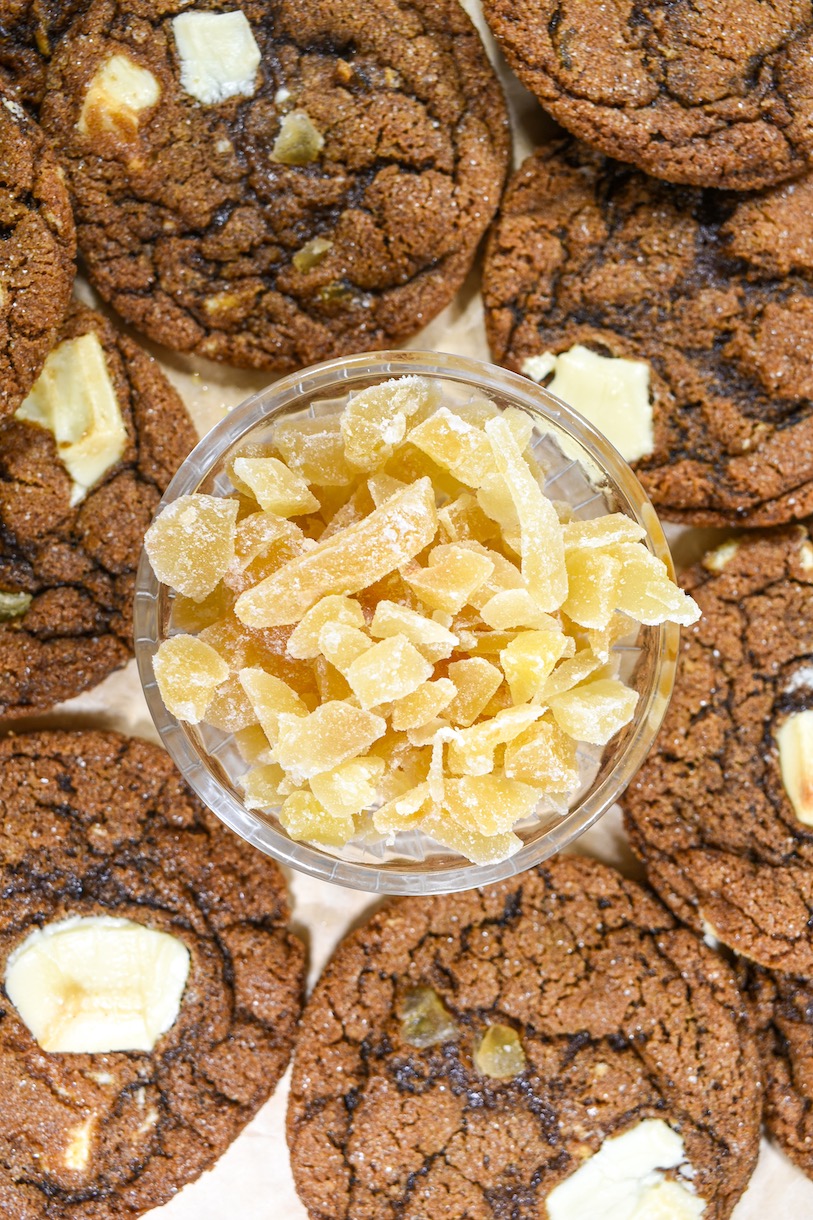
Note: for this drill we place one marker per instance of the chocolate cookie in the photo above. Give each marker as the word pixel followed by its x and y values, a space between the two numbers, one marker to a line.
pixel 96 825
pixel 715 95
pixel 324 194
pixel 29 31
pixel 37 248
pixel 783 1006
pixel 713 291
pixel 68 548
pixel 463 1056
pixel 712 812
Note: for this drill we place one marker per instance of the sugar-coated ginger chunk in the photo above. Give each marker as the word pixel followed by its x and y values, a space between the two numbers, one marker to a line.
pixel 403 811
pixel 261 786
pixel 259 532
pixel 191 616
pixel 404 765
pixel 423 704
pixel 456 445
pixel 351 560
pixel 430 638
pixel 335 608
pixel 596 711
pixel 275 488
pixel 475 846
pixel 230 708
pixel 341 644
pixel 515 608
pixel 253 747
pixel 270 697
pixel 191 544
pixel 542 549
pixel 382 486
pixel 528 661
pixel 348 788
pixel 476 680
pixel 242 647
pixel 463 520
pixel 359 506
pixel 330 684
pixel 570 673
pixel 375 420
pixel 645 590
pixel 593 580
pixel 543 756
pixel 331 734
pixel 619 628
pixel 389 670
pixel 495 499
pixel 601 532
pixel 314 448
pixel 302 817
pixel 471 752
pixel 489 804
pixel 188 673
pixel 451 576
pixel 505 577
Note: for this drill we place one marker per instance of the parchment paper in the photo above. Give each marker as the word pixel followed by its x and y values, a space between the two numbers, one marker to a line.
pixel 253 1179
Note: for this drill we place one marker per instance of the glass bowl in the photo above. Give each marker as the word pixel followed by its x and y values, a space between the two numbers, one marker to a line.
pixel 583 469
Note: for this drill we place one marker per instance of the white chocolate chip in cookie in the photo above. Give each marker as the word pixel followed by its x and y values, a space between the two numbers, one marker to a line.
pixel 117 96
pixel 74 398
pixel 219 55
pixel 95 984
pixel 795 741
pixel 717 559
pixel 625 1180
pixel 611 392
pixel 77 1153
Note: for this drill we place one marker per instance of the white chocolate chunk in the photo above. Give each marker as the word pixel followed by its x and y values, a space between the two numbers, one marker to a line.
pixel 77 1152
pixel 609 391
pixel 74 398
pixel 717 559
pixel 795 741
pixel 95 984
pixel 627 1176
pixel 219 55
pixel 117 95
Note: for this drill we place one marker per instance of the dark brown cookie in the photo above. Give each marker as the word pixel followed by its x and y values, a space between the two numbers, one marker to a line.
pixel 713 290
pixel 708 812
pixel 37 248
pixel 29 32
pixel 717 94
pixel 621 1016
pixel 67 570
pixel 334 207
pixel 96 824
pixel 783 1007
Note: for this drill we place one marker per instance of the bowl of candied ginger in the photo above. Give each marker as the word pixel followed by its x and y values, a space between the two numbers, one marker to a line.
pixel 407 622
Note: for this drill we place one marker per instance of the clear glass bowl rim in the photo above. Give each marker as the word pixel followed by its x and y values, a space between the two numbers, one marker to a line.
pixel 334 378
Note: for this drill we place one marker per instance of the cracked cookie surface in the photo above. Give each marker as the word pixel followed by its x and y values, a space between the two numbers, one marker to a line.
pixel 198 227
pixel 37 248
pixel 98 824
pixel 622 1017
pixel 713 290
pixel 708 812
pixel 29 31
pixel 75 564
pixel 716 94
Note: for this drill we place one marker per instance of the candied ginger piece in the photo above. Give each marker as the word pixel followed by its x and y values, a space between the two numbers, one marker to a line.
pixel 476 681
pixel 646 592
pixel 375 420
pixel 463 520
pixel 329 682
pixel 314 449
pixel 570 673
pixel 270 697
pixel 348 788
pixel 434 640
pixel 404 765
pixel 275 488
pixel 472 750
pixel 425 1020
pixel 242 647
pixel 261 786
pixel 596 711
pixel 477 847
pixel 506 576
pixel 188 673
pixel 620 627
pixel 423 705
pixel 189 615
pixel 529 659
pixel 352 559
pixel 452 575
pixel 383 486
pixel 457 446
pixel 328 736
pixel 191 544
pixel 489 804
pixel 302 817
pixel 259 532
pixel 253 746
pixel 500 1053
pixel 601 531
pixel 545 756
pixel 340 644
pixel 403 811
pixel 389 670
pixel 303 641
pixel 593 580
pixel 542 550
pixel 515 608
pixel 496 501
pixel 230 708
pixel 348 512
